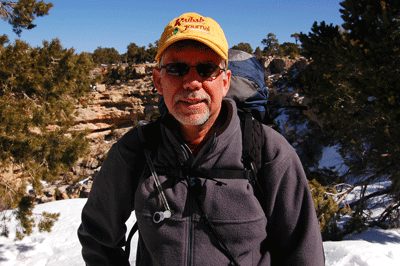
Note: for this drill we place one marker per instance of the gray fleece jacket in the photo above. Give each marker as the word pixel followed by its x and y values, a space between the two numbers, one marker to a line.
pixel 286 232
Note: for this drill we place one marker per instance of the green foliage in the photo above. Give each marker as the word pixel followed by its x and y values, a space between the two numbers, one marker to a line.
pixel 273 48
pixel 353 83
pixel 296 36
pixel 47 221
pixel 151 52
pixel 4 231
pixel 328 210
pixel 20 14
pixel 356 223
pixel 11 192
pixel 243 47
pixel 37 93
pixel 289 49
pixel 28 220
pixel 106 56
pixel 155 116
pixel 24 215
pixel 258 53
pixel 38 89
pixel 271 45
pixel 115 74
pixel 35 107
pixel 136 54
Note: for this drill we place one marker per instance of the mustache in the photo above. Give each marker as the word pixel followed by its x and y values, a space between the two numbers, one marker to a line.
pixel 193 96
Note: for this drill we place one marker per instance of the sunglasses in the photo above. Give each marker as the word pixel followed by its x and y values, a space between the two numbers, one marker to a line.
pixel 205 70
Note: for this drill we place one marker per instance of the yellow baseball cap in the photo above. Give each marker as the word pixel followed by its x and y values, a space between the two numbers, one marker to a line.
pixel 195 27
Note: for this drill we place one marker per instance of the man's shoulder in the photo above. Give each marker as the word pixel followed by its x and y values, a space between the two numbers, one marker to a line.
pixel 129 148
pixel 131 141
pixel 275 145
pixel 274 136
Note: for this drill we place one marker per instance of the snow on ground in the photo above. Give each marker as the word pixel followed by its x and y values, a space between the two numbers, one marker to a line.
pixel 60 247
pixel 374 247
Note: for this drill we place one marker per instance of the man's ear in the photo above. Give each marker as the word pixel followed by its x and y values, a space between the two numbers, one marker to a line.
pixel 227 82
pixel 157 80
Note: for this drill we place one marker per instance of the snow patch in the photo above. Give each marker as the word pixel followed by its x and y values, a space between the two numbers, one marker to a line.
pixel 61 247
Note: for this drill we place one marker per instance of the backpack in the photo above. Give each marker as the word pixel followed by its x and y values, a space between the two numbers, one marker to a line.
pixel 248 85
pixel 250 94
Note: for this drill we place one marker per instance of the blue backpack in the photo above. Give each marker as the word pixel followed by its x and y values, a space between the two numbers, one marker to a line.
pixel 248 85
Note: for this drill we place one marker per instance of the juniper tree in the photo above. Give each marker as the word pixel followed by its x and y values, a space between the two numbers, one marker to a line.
pixel 243 47
pixel 20 14
pixel 38 89
pixel 296 36
pixel 151 52
pixel 289 49
pixel 353 83
pixel 258 53
pixel 271 44
pixel 136 54
pixel 106 56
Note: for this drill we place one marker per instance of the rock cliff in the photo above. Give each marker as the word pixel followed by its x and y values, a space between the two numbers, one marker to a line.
pixel 108 112
pixel 111 110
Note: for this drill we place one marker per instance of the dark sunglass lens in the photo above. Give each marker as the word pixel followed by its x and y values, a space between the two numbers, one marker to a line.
pixel 177 69
pixel 206 70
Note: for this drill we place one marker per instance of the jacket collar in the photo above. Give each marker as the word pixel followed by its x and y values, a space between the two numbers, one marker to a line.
pixel 178 150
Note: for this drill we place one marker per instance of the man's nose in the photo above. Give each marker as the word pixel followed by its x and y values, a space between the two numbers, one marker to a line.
pixel 192 80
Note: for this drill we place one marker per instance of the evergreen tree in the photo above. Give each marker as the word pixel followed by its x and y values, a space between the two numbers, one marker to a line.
pixel 353 83
pixel 258 53
pixel 20 14
pixel 289 49
pixel 296 36
pixel 151 52
pixel 244 47
pixel 106 56
pixel 136 54
pixel 38 89
pixel 271 45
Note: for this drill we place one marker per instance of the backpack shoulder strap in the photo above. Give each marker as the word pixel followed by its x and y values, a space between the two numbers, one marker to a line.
pixel 252 152
pixel 149 131
pixel 151 135
pixel 252 139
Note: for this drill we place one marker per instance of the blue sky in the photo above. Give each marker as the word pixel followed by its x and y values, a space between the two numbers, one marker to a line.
pixel 87 24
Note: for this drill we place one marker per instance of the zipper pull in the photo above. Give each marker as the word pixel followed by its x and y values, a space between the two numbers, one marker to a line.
pixel 192 181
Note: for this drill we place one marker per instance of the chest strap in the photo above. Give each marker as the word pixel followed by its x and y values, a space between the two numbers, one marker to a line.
pixel 213 174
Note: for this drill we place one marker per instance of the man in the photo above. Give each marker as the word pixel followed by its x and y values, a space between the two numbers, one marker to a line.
pixel 199 220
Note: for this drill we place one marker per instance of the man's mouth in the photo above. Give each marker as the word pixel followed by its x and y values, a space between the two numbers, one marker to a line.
pixel 193 103
pixel 193 100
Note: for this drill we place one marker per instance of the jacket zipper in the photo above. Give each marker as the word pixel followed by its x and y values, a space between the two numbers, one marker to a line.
pixel 190 203
pixel 190 233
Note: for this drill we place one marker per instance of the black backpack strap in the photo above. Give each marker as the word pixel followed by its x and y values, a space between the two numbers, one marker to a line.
pixel 205 173
pixel 252 153
pixel 152 131
pixel 252 139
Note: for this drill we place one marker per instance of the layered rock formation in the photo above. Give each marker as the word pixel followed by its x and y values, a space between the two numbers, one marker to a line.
pixel 108 112
pixel 111 110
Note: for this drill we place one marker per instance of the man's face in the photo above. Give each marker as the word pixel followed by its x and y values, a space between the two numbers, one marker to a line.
pixel 192 99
